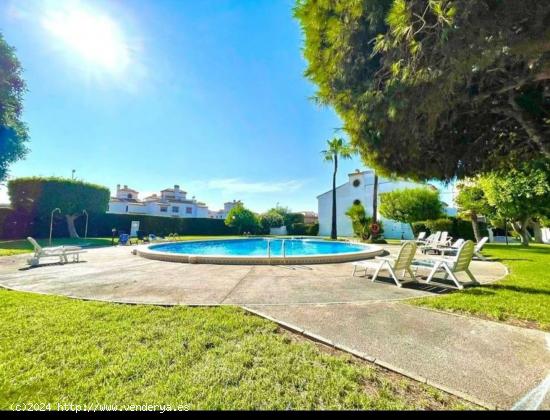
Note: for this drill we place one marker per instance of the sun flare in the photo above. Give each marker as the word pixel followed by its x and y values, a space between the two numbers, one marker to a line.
pixel 90 36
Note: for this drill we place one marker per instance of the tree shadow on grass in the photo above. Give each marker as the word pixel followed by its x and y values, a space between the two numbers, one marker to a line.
pixel 519 289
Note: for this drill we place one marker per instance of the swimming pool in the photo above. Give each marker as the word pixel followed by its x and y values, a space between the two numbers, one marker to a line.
pixel 260 251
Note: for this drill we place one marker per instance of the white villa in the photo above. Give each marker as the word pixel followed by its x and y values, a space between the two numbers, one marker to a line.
pixel 172 202
pixel 359 188
pixel 222 214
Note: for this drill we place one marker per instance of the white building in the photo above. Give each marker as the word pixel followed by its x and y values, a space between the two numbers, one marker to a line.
pixel 222 214
pixel 172 202
pixel 359 188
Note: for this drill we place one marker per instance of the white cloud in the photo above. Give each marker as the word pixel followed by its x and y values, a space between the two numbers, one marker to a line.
pixel 231 186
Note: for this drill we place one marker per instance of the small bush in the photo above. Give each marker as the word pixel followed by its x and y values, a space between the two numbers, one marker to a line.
pixel 312 229
pixel 440 225
pixel 297 229
pixel 418 227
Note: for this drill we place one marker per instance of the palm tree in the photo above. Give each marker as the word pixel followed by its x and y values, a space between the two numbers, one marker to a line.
pixel 336 147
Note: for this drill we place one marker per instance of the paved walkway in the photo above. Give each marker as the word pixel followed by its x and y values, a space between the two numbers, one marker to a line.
pixel 494 363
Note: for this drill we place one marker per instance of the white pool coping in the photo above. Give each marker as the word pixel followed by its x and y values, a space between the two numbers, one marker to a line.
pixel 370 252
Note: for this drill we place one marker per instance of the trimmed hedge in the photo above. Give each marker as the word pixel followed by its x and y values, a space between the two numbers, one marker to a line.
pixel 440 225
pixel 457 228
pixel 310 229
pixel 19 224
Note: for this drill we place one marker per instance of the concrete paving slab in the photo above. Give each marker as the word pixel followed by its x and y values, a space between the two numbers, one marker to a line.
pixel 493 362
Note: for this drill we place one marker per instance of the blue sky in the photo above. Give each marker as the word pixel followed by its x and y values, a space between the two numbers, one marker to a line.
pixel 206 94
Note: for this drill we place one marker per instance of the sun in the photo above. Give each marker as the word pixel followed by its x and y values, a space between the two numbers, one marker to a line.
pixel 90 36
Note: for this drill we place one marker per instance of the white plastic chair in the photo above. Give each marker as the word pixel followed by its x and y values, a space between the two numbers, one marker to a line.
pixel 458 264
pixel 394 265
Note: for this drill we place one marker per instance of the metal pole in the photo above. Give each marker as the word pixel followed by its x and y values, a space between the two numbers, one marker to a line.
pixel 51 223
pixel 86 229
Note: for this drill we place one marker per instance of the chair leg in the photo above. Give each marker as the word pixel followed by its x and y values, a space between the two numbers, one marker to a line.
pixel 432 273
pixel 378 270
pixel 469 273
pixel 480 256
pixel 452 276
pixel 390 269
pixel 354 269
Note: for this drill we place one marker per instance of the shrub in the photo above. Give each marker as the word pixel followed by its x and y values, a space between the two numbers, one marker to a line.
pixel 463 229
pixel 418 227
pixel 20 225
pixel 439 225
pixel 242 219
pixel 297 229
pixel 361 223
pixel 38 196
pixel 270 219
pixel 312 229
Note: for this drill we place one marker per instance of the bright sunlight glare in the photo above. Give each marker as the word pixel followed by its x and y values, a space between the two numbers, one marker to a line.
pixel 90 36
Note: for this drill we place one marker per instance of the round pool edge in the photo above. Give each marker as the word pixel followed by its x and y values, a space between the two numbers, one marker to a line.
pixel 146 252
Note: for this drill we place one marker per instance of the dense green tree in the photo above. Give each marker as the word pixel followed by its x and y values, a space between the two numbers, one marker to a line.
pixel 13 132
pixel 39 196
pixel 242 219
pixel 471 202
pixel 337 148
pixel 411 205
pixel 434 88
pixel 270 219
pixel 520 195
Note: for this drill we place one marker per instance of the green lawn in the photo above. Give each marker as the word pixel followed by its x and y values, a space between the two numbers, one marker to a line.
pixel 523 297
pixel 58 350
pixel 21 246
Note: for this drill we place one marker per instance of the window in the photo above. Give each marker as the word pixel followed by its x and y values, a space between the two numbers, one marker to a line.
pixel 189 210
pixel 163 209
pixel 129 196
pixel 356 183
pixel 175 209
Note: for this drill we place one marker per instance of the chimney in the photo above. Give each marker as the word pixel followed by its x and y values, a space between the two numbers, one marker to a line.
pixel 117 187
pixel 126 187
pixel 176 188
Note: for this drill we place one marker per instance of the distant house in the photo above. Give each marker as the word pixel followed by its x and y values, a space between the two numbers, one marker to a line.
pixel 222 214
pixel 309 217
pixel 172 202
pixel 359 189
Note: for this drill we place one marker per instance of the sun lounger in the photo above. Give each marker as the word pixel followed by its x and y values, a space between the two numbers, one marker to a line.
pixel 395 266
pixel 445 249
pixel 61 252
pixel 451 267
pixel 477 249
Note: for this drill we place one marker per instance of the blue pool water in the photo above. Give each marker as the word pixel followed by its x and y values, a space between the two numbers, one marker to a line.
pixel 258 247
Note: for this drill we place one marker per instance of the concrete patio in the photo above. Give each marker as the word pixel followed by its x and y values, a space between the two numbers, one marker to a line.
pixel 488 362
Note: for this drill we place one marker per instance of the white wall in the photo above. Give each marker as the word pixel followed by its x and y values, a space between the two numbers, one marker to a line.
pixel 347 193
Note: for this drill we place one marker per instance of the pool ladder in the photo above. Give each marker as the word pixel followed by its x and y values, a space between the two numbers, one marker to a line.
pixel 283 246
